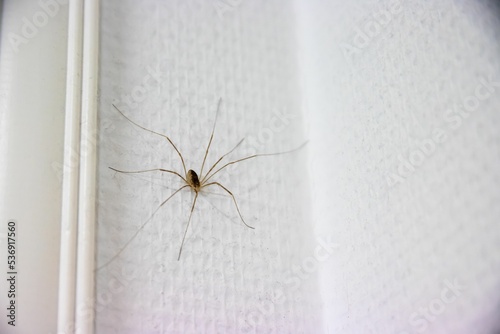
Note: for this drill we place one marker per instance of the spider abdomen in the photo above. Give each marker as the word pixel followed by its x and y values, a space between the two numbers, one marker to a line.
pixel 192 179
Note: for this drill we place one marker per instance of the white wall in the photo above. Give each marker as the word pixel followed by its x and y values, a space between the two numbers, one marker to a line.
pixel 32 95
pixel 230 278
pixel 379 80
pixel 371 240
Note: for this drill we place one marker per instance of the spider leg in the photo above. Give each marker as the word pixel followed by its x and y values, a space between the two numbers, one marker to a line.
pixel 149 170
pixel 187 226
pixel 222 157
pixel 140 228
pixel 207 177
pixel 156 133
pixel 211 136
pixel 234 200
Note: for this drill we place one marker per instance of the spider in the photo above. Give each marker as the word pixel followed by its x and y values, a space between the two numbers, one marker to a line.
pixel 192 180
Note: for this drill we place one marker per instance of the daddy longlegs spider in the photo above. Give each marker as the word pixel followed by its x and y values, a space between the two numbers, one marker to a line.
pixel 191 179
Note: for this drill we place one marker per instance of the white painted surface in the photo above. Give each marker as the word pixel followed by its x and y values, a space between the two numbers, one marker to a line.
pixel 71 172
pixel 230 277
pixel 85 288
pixel 32 95
pixel 397 248
pixel 400 244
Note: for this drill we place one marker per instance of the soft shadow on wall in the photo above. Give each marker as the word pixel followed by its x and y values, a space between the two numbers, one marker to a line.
pixel 1 16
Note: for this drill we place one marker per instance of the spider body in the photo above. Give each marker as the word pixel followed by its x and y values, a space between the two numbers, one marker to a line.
pixel 193 181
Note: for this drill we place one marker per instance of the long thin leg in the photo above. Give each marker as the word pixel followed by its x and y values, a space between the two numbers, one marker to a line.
pixel 234 200
pixel 156 133
pixel 250 157
pixel 211 136
pixel 222 157
pixel 187 226
pixel 148 170
pixel 140 228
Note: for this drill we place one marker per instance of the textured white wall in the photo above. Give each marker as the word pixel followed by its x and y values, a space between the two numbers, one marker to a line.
pixel 401 247
pixel 230 278
pixel 380 79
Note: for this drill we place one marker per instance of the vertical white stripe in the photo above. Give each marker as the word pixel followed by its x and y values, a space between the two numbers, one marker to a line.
pixel 69 212
pixel 86 215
